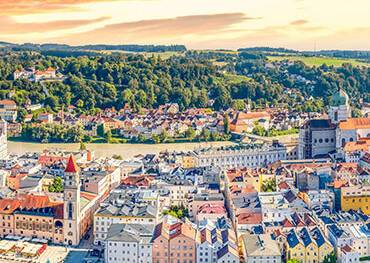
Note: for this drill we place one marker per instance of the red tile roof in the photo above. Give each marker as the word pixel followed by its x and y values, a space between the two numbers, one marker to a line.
pixel 71 165
pixel 249 218
pixel 7 102
pixel 355 123
pixel 210 208
pixel 8 206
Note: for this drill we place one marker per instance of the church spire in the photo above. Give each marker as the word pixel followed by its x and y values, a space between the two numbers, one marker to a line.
pixel 71 165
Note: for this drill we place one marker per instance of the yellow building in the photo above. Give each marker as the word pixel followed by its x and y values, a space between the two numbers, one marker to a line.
pixel 355 198
pixel 307 245
pixel 188 161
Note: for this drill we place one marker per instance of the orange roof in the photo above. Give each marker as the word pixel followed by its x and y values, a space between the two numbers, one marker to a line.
pixel 355 123
pixel 249 218
pixel 249 116
pixel 71 165
pixel 7 102
pixel 8 206
pixel 339 183
pixel 88 196
pixel 360 145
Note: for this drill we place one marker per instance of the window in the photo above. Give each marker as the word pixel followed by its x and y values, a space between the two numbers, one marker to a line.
pixel 70 210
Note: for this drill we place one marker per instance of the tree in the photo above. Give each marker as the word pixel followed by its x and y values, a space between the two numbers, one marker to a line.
pixel 259 130
pixel 226 124
pixel 179 212
pixel 268 185
pixel 100 130
pixel 155 138
pixel 117 157
pixel 190 134
pixel 331 258
pixel 108 136
pixel 52 101
pixel 206 134
pixel 57 185
pixel 80 103
pixel 238 105
pixel 21 114
pixel 163 136
pixel 83 146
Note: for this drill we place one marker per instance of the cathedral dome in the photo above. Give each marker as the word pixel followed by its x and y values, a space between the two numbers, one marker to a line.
pixel 339 98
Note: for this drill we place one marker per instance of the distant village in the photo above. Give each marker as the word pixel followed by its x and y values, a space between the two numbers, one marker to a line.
pixel 129 125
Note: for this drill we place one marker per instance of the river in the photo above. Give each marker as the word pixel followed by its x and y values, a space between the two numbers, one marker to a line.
pixel 127 151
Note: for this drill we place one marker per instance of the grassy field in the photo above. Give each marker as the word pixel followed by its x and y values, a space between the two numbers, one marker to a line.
pixel 236 79
pixel 162 55
pixel 232 79
pixel 318 61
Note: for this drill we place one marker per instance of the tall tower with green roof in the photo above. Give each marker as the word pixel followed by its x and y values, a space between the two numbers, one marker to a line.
pixel 339 109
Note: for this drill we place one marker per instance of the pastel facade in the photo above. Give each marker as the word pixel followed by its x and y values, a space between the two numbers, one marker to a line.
pixel 355 198
pixel 307 245
pixel 60 222
pixel 129 243
pixel 174 241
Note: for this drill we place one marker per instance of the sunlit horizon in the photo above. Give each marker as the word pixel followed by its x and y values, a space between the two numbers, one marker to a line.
pixel 206 24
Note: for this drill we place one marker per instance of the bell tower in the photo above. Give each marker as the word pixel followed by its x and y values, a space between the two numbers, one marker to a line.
pixel 71 200
pixel 340 109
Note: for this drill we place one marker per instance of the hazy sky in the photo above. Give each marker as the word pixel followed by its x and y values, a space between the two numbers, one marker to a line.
pixel 299 24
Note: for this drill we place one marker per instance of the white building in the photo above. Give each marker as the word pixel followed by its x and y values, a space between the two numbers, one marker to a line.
pixel 8 110
pixel 260 249
pixel 124 207
pixel 216 244
pixel 129 243
pixel 347 255
pixel 252 155
pixel 326 137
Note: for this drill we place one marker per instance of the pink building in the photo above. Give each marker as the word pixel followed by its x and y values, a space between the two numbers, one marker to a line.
pixel 174 241
pixel 211 212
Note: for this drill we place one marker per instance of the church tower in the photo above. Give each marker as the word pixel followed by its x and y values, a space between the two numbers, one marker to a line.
pixel 72 208
pixel 340 109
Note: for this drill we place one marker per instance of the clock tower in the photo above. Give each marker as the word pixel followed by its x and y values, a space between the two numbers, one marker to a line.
pixel 72 207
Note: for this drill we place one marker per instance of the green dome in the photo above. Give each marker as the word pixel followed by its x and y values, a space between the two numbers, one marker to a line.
pixel 339 98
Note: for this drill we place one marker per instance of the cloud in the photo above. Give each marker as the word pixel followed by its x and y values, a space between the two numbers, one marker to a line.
pixel 299 22
pixel 26 7
pixel 160 30
pixel 11 27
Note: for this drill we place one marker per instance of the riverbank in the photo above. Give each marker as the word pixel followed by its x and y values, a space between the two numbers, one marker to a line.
pixel 107 150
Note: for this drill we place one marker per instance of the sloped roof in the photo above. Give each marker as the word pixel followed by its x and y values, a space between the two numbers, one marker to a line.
pixel 355 123
pixel 71 165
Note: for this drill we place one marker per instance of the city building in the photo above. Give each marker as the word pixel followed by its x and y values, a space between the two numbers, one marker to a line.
pixel 63 221
pixel 216 243
pixel 355 197
pixel 251 155
pixel 260 248
pixel 307 245
pixel 8 110
pixel 174 241
pixel 125 206
pixel 129 243
pixel 326 137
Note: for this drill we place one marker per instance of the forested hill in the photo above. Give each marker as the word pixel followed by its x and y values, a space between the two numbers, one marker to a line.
pixel 220 80
pixel 64 48
pixel 356 54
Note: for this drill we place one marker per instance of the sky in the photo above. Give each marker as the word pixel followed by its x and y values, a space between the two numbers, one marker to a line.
pixel 198 24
